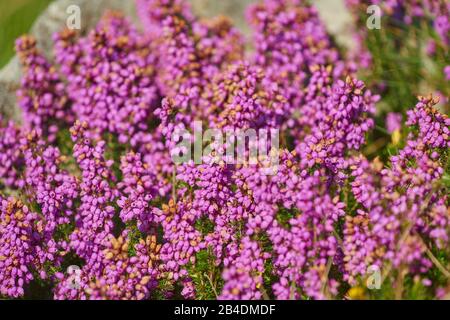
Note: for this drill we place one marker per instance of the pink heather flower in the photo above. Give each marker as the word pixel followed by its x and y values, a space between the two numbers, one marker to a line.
pixel 15 256
pixel 393 121
pixel 42 94
pixel 11 157
pixel 447 72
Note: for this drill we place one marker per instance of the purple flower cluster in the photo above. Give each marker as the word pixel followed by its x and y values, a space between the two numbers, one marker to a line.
pixel 42 95
pixel 132 224
pixel 243 279
pixel 11 157
pixel 289 39
pixel 340 126
pixel 393 122
pixel 401 205
pixel 125 277
pixel 110 74
pixel 16 248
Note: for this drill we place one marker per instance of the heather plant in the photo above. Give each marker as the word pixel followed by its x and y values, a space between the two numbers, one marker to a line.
pixel 93 206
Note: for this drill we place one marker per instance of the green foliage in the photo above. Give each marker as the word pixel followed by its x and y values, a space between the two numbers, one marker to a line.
pixel 204 225
pixel 284 216
pixel 206 275
pixel 63 231
pixel 65 145
pixel 16 18
pixel 400 63
pixel 401 70
pixel 114 151
pixel 134 235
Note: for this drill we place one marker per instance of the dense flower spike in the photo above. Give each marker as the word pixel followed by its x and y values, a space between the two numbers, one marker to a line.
pixel 11 157
pixel 191 52
pixel 127 277
pixel 52 188
pixel 139 186
pixel 433 126
pixel 243 277
pixel 94 218
pixel 289 38
pixel 245 99
pixel 182 240
pixel 401 205
pixel 110 77
pixel 42 95
pixel 93 204
pixel 344 123
pixel 16 247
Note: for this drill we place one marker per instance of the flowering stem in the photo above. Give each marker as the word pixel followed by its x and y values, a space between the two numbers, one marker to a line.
pixel 292 293
pixel 264 293
pixel 174 186
pixel 325 277
pixel 435 260
pixel 339 239
pixel 213 287
pixel 399 283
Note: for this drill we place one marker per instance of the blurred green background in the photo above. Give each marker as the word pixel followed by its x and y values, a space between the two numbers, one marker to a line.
pixel 16 18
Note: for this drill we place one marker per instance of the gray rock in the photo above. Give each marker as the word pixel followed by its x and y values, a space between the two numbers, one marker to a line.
pixel 55 17
pixel 235 9
pixel 333 13
pixel 337 20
